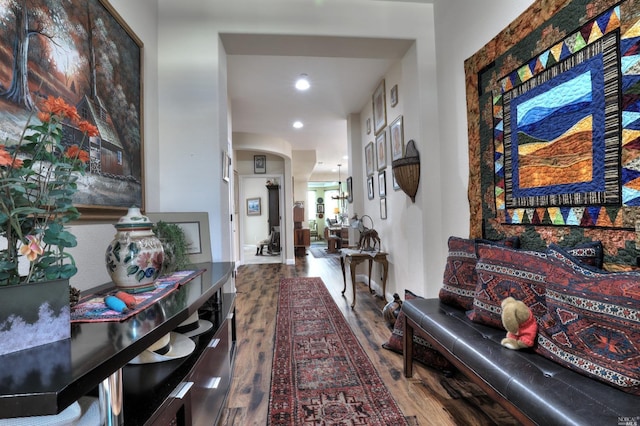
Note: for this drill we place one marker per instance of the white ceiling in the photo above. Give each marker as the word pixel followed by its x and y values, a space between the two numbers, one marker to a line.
pixel 344 72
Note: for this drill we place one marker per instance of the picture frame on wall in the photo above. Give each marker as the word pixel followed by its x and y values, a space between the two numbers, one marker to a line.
pixel 369 158
pixel 112 101
pixel 253 207
pixel 259 164
pixel 381 150
pixel 394 95
pixel 195 226
pixel 350 189
pixel 396 135
pixel 379 100
pixel 368 126
pixel 226 164
pixel 383 208
pixel 396 185
pixel 382 183
pixel 320 208
pixel 370 193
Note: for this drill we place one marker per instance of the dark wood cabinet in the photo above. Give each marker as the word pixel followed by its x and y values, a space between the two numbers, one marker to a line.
pixel 274 206
pixel 193 393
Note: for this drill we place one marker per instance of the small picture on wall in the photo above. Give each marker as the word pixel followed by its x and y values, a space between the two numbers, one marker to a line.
pixel 370 187
pixel 379 108
pixel 368 126
pixel 394 95
pixel 253 206
pixel 382 183
pixel 381 150
pixel 383 208
pixel 350 189
pixel 369 158
pixel 396 134
pixel 319 208
pixel 259 164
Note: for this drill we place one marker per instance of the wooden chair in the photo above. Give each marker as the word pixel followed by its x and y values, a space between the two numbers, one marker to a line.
pixel 313 229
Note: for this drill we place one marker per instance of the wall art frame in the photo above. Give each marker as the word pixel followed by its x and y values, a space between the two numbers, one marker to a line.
pixel 116 167
pixel 226 165
pixel 396 136
pixel 195 226
pixel 350 189
pixel 370 192
pixel 369 158
pixel 259 164
pixel 379 100
pixel 381 150
pixel 382 183
pixel 368 126
pixel 254 206
pixel 383 208
pixel 394 95
pixel 319 208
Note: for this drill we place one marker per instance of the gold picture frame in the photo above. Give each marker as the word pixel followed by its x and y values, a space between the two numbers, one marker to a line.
pixel 379 100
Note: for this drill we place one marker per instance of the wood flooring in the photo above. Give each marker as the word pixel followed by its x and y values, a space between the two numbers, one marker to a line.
pixel 428 398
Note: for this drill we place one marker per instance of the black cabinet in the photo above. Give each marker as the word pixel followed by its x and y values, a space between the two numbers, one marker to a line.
pixel 92 355
pixel 274 206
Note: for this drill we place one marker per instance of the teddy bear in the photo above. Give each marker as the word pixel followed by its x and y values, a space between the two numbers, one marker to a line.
pixel 520 324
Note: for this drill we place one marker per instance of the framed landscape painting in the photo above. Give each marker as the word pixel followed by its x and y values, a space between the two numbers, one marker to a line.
pixel 379 108
pixel 69 54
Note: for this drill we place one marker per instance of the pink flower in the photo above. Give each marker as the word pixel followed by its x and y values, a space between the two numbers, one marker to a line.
pixel 32 248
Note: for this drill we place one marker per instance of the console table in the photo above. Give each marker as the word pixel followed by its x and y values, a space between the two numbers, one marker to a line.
pixel 353 258
pixel 47 379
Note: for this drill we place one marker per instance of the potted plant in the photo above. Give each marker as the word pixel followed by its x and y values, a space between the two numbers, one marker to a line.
pixel 175 246
pixel 38 175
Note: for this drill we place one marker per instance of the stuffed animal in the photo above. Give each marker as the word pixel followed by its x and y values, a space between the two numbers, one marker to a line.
pixel 520 324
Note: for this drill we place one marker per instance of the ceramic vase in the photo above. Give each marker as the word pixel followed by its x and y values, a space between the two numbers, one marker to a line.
pixel 33 314
pixel 134 257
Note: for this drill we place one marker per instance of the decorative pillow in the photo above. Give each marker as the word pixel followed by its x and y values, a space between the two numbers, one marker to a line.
pixel 422 350
pixel 504 272
pixel 590 253
pixel 592 323
pixel 460 279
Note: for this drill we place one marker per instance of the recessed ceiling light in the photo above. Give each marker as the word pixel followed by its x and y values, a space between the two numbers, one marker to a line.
pixel 298 125
pixel 303 82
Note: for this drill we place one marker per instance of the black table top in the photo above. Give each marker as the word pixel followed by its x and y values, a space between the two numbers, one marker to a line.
pixel 46 379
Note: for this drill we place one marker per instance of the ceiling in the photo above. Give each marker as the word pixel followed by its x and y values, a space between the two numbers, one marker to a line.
pixel 343 72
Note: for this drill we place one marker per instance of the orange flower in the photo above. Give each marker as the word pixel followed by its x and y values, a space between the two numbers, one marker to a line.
pixel 6 159
pixel 74 152
pixel 32 249
pixel 57 106
pixel 88 128
pixel 45 117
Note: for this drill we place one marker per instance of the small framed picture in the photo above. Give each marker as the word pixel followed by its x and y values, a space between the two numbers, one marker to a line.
pixel 319 208
pixel 383 208
pixel 396 186
pixel 259 164
pixel 382 183
pixel 379 108
pixel 226 163
pixel 381 150
pixel 253 206
pixel 368 126
pixel 350 189
pixel 370 193
pixel 396 134
pixel 394 95
pixel 369 158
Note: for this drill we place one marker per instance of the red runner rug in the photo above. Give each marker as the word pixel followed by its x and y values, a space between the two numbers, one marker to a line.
pixel 321 375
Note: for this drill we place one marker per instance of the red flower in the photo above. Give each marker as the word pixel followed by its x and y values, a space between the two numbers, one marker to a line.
pixel 6 159
pixel 74 152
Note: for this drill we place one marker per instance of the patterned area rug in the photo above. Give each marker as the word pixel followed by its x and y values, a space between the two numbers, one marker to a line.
pixel 321 375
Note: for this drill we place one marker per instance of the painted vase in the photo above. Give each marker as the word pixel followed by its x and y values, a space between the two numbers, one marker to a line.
pixel 134 257
pixel 391 310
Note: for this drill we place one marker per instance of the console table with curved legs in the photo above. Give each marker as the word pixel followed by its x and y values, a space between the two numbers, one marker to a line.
pixel 355 257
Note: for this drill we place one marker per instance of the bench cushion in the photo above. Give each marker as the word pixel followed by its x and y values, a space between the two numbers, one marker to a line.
pixel 544 391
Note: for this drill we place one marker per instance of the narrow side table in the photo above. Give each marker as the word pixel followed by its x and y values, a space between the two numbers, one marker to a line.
pixel 355 257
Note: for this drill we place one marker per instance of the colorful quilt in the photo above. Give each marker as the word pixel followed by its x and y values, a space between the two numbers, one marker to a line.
pixel 554 128
pixel 92 308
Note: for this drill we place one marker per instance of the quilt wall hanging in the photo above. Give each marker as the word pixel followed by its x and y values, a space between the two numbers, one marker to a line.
pixel 554 129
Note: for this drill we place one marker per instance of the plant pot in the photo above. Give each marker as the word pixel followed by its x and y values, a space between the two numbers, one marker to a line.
pixel 33 314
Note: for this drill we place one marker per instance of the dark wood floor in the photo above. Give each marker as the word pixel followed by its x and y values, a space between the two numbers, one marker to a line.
pixel 428 398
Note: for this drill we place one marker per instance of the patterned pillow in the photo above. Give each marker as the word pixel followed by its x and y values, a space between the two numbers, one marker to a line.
pixel 460 279
pixel 422 350
pixel 590 253
pixel 593 322
pixel 504 272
